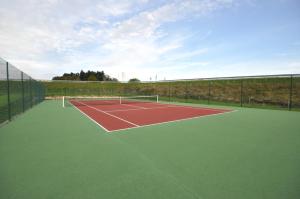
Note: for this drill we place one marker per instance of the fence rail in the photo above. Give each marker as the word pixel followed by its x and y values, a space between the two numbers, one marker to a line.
pixel 271 91
pixel 18 91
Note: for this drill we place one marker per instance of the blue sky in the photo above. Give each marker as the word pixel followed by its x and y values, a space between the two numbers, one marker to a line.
pixel 142 39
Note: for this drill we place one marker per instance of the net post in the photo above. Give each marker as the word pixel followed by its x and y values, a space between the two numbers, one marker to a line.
pixel 63 101
pixel 156 98
pixel 120 100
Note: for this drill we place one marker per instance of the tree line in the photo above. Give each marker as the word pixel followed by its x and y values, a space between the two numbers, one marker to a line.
pixel 85 76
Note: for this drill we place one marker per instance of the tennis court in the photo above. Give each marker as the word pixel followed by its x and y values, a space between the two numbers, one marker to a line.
pixel 145 145
pixel 116 113
pixel 55 152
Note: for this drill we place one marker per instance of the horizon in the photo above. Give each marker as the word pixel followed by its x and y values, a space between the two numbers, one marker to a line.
pixel 144 39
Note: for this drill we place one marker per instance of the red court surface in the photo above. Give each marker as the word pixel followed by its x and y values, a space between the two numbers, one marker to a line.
pixel 116 117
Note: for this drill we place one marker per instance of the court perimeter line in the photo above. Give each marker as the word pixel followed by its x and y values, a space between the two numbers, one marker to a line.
pixel 164 106
pixel 136 109
pixel 92 120
pixel 134 106
pixel 109 114
pixel 140 108
pixel 171 121
pixel 185 106
pixel 201 107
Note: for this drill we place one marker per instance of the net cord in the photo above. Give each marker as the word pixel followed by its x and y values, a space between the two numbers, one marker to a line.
pixel 120 98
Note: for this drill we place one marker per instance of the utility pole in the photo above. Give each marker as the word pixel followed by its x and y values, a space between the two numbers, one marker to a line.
pixel 123 76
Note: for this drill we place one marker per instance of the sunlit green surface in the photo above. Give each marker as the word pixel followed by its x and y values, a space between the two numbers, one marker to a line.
pixel 51 152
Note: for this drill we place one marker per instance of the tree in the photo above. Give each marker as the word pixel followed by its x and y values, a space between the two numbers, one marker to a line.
pixel 134 80
pixel 92 77
pixel 82 75
pixel 100 76
pixel 85 76
pixel 67 76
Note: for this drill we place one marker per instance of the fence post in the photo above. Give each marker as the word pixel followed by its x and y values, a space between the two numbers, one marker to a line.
pixel 291 93
pixel 37 92
pixel 169 84
pixel 22 83
pixel 186 92
pixel 241 97
pixel 8 93
pixel 208 100
pixel 30 91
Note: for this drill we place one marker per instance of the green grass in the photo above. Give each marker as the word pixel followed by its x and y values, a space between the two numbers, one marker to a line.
pixel 51 152
pixel 272 93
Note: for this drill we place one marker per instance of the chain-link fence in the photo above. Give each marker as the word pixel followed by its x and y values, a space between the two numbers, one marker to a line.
pixel 276 91
pixel 18 91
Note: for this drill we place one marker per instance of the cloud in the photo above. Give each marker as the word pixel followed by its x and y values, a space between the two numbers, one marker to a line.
pixel 50 37
pixel 110 8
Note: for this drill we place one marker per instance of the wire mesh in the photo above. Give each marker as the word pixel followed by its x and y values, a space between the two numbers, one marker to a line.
pixel 18 91
pixel 3 92
pixel 295 92
pixel 275 91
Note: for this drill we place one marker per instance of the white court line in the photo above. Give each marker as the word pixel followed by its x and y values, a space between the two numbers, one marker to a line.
pixel 136 109
pixel 200 107
pixel 110 114
pixel 141 107
pixel 92 119
pixel 174 105
pixel 164 106
pixel 102 101
pixel 171 121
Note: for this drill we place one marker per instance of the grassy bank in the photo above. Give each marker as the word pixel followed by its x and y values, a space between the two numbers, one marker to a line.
pixel 269 92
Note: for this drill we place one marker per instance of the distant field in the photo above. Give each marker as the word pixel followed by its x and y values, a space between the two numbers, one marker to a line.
pixel 270 92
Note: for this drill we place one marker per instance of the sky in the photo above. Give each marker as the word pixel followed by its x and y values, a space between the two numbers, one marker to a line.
pixel 151 39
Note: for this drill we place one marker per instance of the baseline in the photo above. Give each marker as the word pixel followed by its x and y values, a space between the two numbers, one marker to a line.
pixel 173 121
pixel 109 114
pixel 137 109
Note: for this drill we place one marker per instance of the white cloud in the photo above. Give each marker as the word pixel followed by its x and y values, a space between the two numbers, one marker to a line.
pixel 51 37
pixel 110 8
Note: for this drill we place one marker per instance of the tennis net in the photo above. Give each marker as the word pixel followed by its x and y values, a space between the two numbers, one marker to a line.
pixel 92 101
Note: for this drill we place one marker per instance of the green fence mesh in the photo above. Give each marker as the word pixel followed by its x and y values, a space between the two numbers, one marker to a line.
pixel 18 91
pixel 277 91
